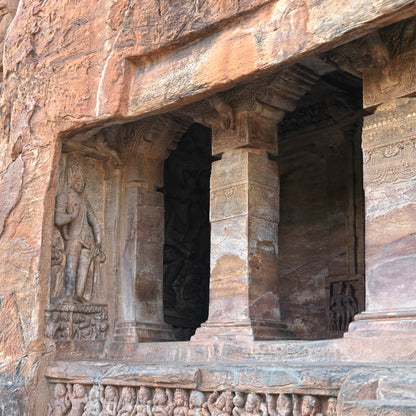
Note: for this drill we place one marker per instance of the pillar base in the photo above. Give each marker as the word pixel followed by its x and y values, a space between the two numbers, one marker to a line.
pixel 246 330
pixel 133 332
pixel 385 323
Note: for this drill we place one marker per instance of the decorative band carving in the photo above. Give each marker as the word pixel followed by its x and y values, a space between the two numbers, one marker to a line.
pixel 391 163
pixel 109 400
pixel 83 322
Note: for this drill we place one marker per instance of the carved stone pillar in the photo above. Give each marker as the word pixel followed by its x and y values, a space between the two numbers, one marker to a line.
pixel 140 297
pixel 244 215
pixel 389 153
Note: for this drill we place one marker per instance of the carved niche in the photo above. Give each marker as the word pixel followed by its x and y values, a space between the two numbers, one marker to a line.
pixel 345 299
pixel 78 277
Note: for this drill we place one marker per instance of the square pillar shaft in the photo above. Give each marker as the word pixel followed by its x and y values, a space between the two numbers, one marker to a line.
pixel 141 269
pixel 244 215
pixel 389 154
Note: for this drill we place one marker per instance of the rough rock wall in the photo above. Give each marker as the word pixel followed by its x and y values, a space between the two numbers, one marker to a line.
pixel 71 64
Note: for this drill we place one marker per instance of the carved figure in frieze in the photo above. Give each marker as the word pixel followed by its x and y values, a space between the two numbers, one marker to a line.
pixel 93 407
pixel 337 308
pixel 181 403
pixel 61 403
pixel 101 325
pixel 78 398
pixel 82 326
pixel 332 407
pixel 143 405
pixel 254 406
pixel 53 324
pixel 311 406
pixel 282 406
pixel 350 305
pixel 197 404
pixel 109 400
pixel 82 236
pixel 126 403
pixel 218 404
pixel 238 401
pixel 163 403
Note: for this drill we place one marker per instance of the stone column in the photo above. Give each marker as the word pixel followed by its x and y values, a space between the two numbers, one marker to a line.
pixel 140 297
pixel 389 153
pixel 244 215
pixel 140 307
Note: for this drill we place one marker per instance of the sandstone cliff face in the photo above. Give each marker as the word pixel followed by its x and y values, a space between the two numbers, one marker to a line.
pixel 70 65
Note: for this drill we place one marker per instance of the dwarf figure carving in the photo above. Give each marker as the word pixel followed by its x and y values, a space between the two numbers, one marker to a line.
pixel 109 400
pixel 162 403
pixel 81 233
pixel 93 407
pixel 61 401
pixel 311 406
pixel 197 404
pixel 126 404
pixel 218 404
pixel 143 405
pixel 283 406
pixel 78 398
pixel 254 406
pixel 332 407
pixel 238 402
pixel 181 403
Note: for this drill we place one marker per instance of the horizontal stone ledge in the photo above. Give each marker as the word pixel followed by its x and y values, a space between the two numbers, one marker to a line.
pixel 317 380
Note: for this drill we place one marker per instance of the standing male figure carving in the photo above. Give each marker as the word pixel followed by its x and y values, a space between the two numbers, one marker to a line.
pixel 81 233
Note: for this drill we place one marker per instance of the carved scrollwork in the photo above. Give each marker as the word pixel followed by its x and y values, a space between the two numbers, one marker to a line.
pixel 108 400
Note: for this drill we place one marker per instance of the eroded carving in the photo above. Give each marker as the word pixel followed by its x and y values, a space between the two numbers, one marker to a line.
pixel 99 400
pixel 344 305
pixel 65 322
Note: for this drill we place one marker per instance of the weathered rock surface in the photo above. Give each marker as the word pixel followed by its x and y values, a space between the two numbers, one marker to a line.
pixel 69 66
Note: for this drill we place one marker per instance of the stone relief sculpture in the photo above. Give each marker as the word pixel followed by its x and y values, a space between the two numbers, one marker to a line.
pixel 73 400
pixel 162 402
pixel 78 398
pixel 343 307
pixel 109 400
pixel 60 404
pixel 282 406
pixel 143 405
pixel 81 233
pixel 93 407
pixel 126 403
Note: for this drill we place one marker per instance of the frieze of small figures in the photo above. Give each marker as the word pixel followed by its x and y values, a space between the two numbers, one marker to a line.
pixel 108 400
pixel 77 322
